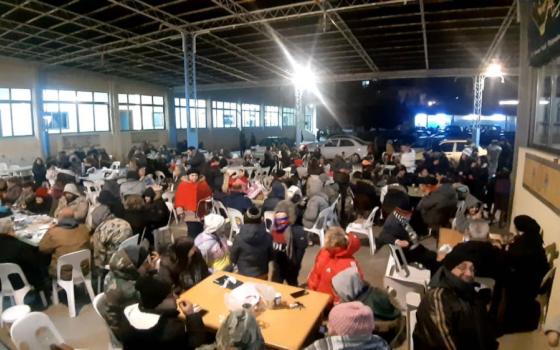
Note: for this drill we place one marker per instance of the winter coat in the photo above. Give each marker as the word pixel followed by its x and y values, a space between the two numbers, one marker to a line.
pixel 67 237
pixel 132 187
pixel 313 185
pixel 461 218
pixel 315 205
pixel 252 250
pixel 237 200
pixel 80 206
pixel 107 238
pixel 452 316
pixel 277 194
pixel 198 162
pixel 494 151
pixel 39 173
pixel 392 230
pixel 44 208
pixel 190 193
pixel 329 262
pixel 214 250
pixel 488 260
pixel 12 194
pixel 157 214
pixel 439 206
pixel 183 278
pixel 138 220
pixel 361 342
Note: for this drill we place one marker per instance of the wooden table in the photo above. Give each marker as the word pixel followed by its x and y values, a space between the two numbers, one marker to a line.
pixel 282 328
pixel 450 237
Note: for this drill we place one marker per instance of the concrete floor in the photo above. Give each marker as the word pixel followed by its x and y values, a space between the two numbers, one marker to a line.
pixel 88 331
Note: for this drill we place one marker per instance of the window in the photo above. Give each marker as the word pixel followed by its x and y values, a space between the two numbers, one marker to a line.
pixel 67 111
pixel 224 114
pixel 141 112
pixel 446 147
pixel 546 121
pixel 15 112
pixel 271 116
pixel 460 146
pixel 331 143
pixel 346 143
pixel 197 110
pixel 288 116
pixel 309 118
pixel 250 115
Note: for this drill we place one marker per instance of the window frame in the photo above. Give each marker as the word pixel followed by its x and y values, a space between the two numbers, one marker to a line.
pixel 291 114
pixel 10 101
pixel 250 108
pixel 550 70
pixel 142 106
pixel 232 107
pixel 267 113
pixel 182 107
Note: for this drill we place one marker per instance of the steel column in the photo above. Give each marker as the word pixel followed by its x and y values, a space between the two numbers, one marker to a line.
pixel 189 71
pixel 300 117
pixel 477 108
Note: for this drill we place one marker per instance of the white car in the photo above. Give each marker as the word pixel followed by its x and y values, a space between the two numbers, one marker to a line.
pixel 454 148
pixel 348 145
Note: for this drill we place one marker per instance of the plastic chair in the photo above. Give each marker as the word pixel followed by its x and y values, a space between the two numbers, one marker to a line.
pixel 160 177
pixel 116 165
pixel 412 303
pixel 168 197
pixel 220 209
pixel 545 290
pixel 75 260
pixel 92 191
pixel 16 295
pixel 236 220
pixel 320 225
pixel 24 331
pixel 99 303
pixel 398 269
pixel 268 220
pixel 132 240
pixel 3 166
pixel 14 313
pixel 365 228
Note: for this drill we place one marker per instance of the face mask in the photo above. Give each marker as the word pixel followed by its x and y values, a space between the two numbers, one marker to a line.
pixel 281 223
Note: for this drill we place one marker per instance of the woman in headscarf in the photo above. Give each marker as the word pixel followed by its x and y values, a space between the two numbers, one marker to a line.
pixel 527 264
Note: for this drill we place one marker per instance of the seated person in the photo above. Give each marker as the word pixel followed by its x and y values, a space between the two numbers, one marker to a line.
pixel 452 315
pixel 350 326
pixel 13 190
pixel 67 236
pixel 156 210
pixel 252 247
pixel 41 202
pixel 135 213
pixel 236 198
pixel 26 195
pixel 349 286
pixel 191 190
pixel 72 198
pixel 12 250
pixel 107 238
pixel 468 209
pixel 133 185
pixel 240 330
pixel 277 194
pixel 336 256
pixel 155 321
pixel 316 203
pixel 488 260
pixel 126 266
pixel 439 203
pixel 183 266
pixel 212 243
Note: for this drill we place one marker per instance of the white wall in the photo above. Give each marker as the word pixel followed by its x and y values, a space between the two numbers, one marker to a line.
pixel 526 203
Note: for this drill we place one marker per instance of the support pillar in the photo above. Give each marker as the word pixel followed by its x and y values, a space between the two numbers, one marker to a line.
pixel 300 117
pixel 42 128
pixel 171 123
pixel 478 87
pixel 189 70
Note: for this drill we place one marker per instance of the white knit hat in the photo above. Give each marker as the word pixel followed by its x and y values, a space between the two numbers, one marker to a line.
pixel 213 222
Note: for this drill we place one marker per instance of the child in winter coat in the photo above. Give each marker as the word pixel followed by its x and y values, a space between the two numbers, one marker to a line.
pixel 336 256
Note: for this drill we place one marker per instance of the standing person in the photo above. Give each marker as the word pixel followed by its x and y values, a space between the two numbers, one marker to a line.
pixel 190 192
pixel 452 315
pixel 336 256
pixel 212 243
pixel 408 157
pixel 242 142
pixel 196 160
pixel 39 171
pixel 494 150
pixel 252 247
pixel 502 186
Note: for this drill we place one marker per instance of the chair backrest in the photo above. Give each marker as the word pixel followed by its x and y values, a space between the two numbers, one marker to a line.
pixel 268 220
pixel 115 165
pixel 24 331
pixel 75 260
pixel 322 219
pixel 236 219
pixel 401 264
pixel 160 177
pixel 132 240
pixel 544 293
pixel 220 209
pixel 168 196
pixel 99 302
pixel 163 238
pixel 7 269
pixel 3 166
pixel 551 253
pixel 371 218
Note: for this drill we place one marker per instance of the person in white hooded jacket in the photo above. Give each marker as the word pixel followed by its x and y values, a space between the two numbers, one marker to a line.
pixel 212 244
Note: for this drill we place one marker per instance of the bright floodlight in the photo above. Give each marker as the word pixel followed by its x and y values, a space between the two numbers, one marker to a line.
pixel 303 78
pixel 494 70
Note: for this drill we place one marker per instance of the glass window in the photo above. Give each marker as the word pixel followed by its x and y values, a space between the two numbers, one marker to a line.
pixel 250 115
pixel 446 147
pixel 288 116
pixel 141 112
pixel 346 143
pixel 309 118
pixel 331 143
pixel 15 112
pixel 460 146
pixel 197 110
pixel 67 111
pixel 271 116
pixel 224 114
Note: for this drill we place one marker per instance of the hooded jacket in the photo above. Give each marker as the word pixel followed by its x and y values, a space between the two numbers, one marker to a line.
pixel 107 238
pixel 240 330
pixel 451 316
pixel 329 262
pixel 461 218
pixel 237 200
pixel 212 244
pixel 252 250
pixel 80 204
pixel 67 237
pixel 315 205
pixel 190 193
pixel 439 206
pixel 277 194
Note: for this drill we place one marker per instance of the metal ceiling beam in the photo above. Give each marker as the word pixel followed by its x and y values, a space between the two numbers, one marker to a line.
pixel 424 36
pixel 508 19
pixel 380 75
pixel 177 23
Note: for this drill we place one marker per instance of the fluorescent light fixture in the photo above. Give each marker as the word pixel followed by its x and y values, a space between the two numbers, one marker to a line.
pixel 509 102
pixel 544 102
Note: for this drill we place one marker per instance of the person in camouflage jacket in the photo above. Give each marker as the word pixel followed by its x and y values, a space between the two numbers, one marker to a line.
pixel 107 238
pixel 126 266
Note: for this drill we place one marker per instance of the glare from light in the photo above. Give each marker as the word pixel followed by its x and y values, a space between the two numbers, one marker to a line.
pixel 496 117
pixel 365 83
pixel 494 70
pixel 303 78
pixel 508 102
pixel 421 119
pixel 544 102
pixel 431 103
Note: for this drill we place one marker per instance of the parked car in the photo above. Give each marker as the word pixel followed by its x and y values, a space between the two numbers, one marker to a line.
pixel 454 148
pixel 258 150
pixel 347 145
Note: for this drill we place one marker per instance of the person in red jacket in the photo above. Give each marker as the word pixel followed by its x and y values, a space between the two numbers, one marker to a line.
pixel 336 256
pixel 191 191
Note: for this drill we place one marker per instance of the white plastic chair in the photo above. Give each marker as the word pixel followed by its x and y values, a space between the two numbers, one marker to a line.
pixel 99 302
pixel 116 165
pixel 398 269
pixel 268 220
pixel 160 177
pixel 17 296
pixel 220 209
pixel 365 228
pixel 3 166
pixel 75 260
pixel 320 225
pixel 132 240
pixel 236 220
pixel 168 197
pixel 24 331
pixel 92 191
pixel 412 303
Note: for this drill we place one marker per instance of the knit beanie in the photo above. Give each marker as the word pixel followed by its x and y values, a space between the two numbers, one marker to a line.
pixel 253 215
pixel 351 319
pixel 455 258
pixel 153 291
pixel 42 192
pixel 525 223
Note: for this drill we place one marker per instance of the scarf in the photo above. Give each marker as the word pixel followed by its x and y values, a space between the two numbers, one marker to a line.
pixel 404 220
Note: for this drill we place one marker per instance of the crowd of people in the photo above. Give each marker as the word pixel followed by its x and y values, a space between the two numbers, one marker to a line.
pixel 143 284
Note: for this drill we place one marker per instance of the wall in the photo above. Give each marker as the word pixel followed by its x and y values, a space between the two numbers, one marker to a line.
pixel 525 203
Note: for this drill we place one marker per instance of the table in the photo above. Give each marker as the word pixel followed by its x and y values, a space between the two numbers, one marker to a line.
pixel 282 328
pixel 415 192
pixel 450 237
pixel 31 228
